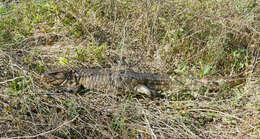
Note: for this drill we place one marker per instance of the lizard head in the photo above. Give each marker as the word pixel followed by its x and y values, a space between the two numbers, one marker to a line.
pixel 56 77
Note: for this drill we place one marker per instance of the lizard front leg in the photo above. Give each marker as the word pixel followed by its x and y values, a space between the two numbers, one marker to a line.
pixel 73 89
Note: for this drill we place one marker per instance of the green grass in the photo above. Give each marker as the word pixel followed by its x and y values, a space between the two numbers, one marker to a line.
pixel 213 42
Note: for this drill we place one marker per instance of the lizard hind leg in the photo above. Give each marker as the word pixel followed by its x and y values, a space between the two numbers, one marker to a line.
pixel 145 90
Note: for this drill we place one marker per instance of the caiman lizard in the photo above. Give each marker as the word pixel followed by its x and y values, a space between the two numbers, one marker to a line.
pixel 109 80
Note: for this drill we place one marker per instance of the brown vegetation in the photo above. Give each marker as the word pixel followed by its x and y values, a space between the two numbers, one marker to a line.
pixel 201 43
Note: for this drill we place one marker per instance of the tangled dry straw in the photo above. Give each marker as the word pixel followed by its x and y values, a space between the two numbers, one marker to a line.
pixel 211 47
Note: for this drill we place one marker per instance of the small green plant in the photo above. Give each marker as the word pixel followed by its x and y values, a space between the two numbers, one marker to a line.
pixel 205 71
pixel 118 123
pixel 17 85
pixel 63 61
pixel 72 108
pixel 92 53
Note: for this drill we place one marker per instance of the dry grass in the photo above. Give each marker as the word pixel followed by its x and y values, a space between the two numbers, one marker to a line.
pixel 212 47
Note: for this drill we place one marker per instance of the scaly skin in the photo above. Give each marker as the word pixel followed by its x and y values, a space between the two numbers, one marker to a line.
pixel 106 80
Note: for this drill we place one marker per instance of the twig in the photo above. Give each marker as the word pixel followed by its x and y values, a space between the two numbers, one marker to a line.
pixel 147 122
pixel 3 82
